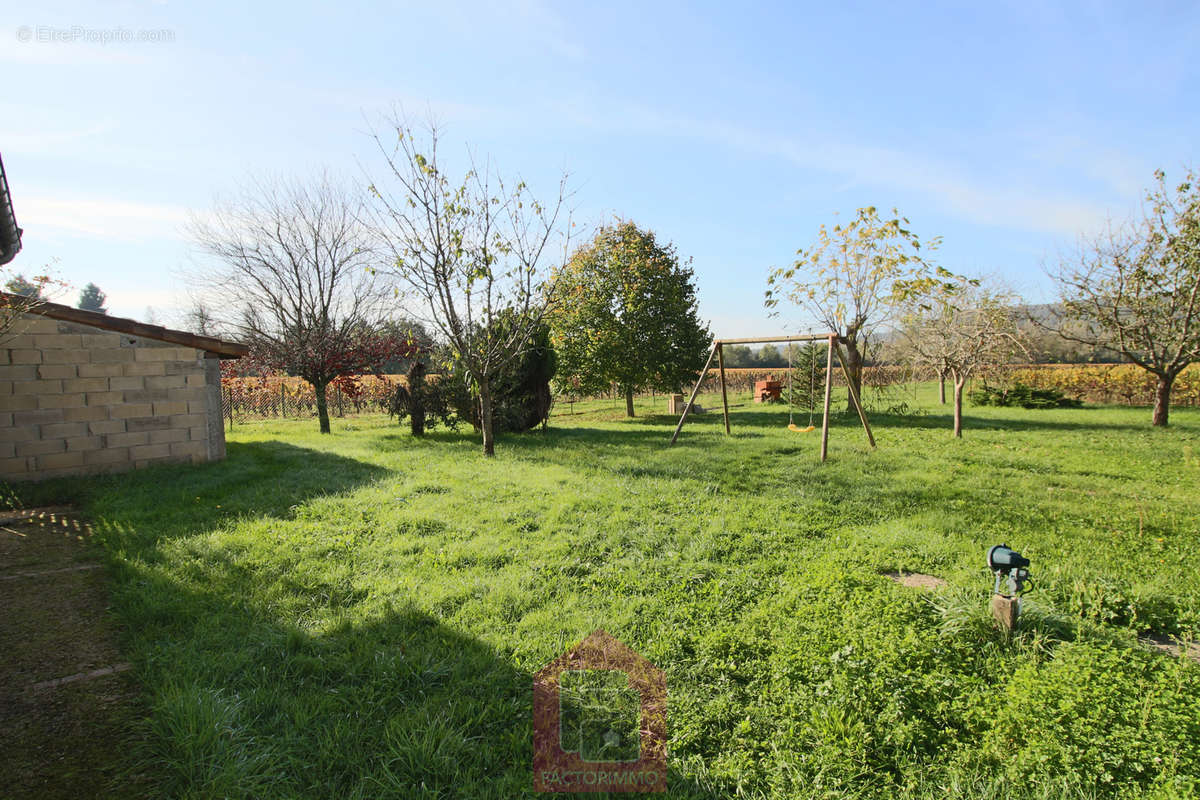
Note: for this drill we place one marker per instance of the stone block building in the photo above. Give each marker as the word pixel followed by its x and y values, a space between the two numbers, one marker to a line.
pixel 82 392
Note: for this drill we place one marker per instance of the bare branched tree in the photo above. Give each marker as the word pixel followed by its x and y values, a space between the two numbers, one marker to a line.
pixel 200 319
pixel 958 326
pixel 468 250
pixel 1135 290
pixel 295 279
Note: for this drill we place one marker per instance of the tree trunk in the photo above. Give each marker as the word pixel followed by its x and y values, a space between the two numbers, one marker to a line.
pixel 416 417
pixel 629 401
pixel 958 394
pixel 942 381
pixel 322 406
pixel 1162 399
pixel 416 398
pixel 854 368
pixel 486 423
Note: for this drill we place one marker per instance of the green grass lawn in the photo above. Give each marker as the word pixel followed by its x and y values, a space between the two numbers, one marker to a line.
pixel 360 615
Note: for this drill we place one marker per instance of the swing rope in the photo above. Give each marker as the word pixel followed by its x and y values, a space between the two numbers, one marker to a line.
pixel 791 399
pixel 812 387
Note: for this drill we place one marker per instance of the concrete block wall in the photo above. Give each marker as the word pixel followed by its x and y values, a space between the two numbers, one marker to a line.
pixel 75 399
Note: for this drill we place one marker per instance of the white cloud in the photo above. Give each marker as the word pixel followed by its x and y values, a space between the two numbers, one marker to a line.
pixel 104 218
pixel 1010 204
pixel 1025 207
pixel 124 301
pixel 47 142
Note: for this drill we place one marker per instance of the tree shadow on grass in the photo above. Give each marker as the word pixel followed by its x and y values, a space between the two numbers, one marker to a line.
pixel 252 704
pixel 463 435
pixel 1019 420
pixel 712 463
pixel 554 436
pixel 970 422
pixel 339 699
pixel 272 673
pixel 256 478
pixel 551 437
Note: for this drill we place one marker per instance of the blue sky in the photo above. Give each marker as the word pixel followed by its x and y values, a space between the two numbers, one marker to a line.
pixel 733 130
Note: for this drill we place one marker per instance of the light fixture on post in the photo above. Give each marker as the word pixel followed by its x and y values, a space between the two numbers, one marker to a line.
pixel 1012 580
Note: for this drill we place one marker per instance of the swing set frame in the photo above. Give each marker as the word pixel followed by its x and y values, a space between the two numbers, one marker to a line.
pixel 834 346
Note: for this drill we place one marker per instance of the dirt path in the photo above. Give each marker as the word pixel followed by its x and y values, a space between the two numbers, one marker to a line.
pixel 68 704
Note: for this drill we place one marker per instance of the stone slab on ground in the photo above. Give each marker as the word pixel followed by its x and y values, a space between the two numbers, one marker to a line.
pixel 69 704
pixel 1176 648
pixel 916 580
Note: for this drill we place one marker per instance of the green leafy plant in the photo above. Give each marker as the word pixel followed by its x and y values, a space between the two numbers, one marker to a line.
pixel 1023 396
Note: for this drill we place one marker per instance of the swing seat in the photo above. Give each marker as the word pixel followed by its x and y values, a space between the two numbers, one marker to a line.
pixel 797 429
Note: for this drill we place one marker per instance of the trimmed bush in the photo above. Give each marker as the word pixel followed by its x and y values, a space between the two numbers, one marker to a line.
pixel 1021 395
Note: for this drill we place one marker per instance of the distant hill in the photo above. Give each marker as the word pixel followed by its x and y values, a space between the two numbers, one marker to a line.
pixel 1046 346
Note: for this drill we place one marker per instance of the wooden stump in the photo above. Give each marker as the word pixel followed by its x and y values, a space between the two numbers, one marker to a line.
pixel 1006 610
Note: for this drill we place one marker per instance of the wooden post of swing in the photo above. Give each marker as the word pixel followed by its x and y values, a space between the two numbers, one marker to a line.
pixel 695 391
pixel 724 396
pixel 828 396
pixel 862 415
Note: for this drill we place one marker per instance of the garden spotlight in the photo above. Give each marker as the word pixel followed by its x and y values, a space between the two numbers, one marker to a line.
pixel 1012 570
pixel 1008 563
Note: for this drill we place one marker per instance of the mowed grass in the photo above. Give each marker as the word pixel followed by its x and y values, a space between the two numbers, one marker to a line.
pixel 360 615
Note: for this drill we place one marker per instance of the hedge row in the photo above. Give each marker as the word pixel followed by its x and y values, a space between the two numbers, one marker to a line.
pixel 1124 384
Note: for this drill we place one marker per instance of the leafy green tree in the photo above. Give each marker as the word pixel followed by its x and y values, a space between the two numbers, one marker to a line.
pixel 14 306
pixel 627 314
pixel 92 299
pixel 845 279
pixel 24 296
pixel 427 404
pixel 410 330
pixel 1136 290
pixel 807 374
pixel 22 286
pixel 769 356
pixel 739 356
pixel 521 390
pixel 522 387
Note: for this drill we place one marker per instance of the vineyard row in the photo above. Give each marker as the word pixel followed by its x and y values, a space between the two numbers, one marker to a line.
pixel 1125 384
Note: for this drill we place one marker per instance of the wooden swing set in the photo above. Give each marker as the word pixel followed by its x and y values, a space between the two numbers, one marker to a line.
pixel 835 346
